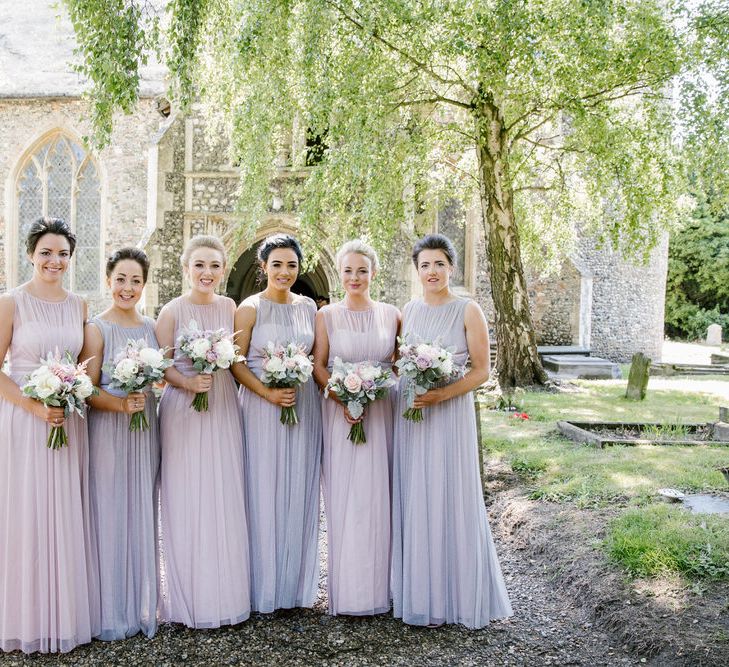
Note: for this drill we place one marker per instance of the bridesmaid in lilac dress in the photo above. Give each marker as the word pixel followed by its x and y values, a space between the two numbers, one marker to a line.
pixel 282 462
pixel 48 581
pixel 204 536
pixel 356 478
pixel 123 465
pixel 444 565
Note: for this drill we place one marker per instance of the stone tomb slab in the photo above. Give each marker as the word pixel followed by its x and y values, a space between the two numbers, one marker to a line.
pixel 601 434
pixel 574 366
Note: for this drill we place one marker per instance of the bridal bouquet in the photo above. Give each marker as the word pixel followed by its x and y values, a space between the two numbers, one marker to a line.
pixel 137 366
pixel 357 385
pixel 208 351
pixel 425 365
pixel 286 366
pixel 62 383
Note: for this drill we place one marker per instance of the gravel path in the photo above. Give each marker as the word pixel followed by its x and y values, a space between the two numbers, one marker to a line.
pixel 547 629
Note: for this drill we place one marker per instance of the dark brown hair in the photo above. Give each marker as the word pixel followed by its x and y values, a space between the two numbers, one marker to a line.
pixel 135 254
pixel 43 226
pixel 276 241
pixel 436 242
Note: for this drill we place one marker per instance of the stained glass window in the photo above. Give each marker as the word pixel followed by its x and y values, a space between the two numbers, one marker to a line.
pixel 60 180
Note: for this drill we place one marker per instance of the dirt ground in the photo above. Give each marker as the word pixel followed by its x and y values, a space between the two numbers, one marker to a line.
pixel 571 608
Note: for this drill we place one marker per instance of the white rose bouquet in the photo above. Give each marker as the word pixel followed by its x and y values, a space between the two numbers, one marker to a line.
pixel 61 383
pixel 209 351
pixel 286 366
pixel 425 365
pixel 357 385
pixel 136 367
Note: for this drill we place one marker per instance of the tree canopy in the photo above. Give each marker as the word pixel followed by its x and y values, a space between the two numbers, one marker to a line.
pixel 554 115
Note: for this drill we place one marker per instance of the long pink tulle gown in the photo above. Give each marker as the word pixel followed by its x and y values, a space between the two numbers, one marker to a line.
pixel 444 564
pixel 356 478
pixel 48 581
pixel 204 533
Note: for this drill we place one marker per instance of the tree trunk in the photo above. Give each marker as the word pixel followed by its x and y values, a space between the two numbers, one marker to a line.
pixel 517 361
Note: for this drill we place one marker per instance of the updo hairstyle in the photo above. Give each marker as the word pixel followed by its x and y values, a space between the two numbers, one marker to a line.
pixel 436 242
pixel 276 242
pixel 361 248
pixel 134 254
pixel 202 241
pixel 44 226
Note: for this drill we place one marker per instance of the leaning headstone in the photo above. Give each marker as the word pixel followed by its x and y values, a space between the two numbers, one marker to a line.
pixel 638 377
pixel 713 334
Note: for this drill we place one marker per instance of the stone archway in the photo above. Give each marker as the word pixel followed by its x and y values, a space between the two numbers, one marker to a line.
pixel 244 279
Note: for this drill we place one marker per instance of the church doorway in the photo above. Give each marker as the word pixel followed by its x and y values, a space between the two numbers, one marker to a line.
pixel 246 279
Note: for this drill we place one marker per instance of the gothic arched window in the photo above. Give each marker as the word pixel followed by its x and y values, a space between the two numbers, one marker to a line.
pixel 60 180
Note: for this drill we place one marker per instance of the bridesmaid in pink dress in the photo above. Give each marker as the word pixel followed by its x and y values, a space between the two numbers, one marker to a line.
pixel 356 478
pixel 204 534
pixel 444 564
pixel 48 581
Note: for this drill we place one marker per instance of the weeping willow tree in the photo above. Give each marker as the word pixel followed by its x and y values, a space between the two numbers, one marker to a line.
pixel 550 114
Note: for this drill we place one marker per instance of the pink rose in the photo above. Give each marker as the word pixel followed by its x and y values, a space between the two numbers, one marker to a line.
pixel 210 357
pixel 353 383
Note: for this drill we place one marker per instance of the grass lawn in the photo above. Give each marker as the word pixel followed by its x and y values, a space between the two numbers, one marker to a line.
pixel 556 469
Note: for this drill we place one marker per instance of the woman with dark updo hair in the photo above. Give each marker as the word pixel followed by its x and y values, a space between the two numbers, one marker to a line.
pixel 48 580
pixel 282 461
pixel 123 464
pixel 444 565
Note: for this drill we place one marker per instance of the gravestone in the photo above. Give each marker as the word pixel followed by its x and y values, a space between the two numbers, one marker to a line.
pixel 638 377
pixel 713 335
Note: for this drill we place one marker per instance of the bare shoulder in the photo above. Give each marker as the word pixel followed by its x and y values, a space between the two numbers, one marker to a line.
pixel 473 315
pixel 7 301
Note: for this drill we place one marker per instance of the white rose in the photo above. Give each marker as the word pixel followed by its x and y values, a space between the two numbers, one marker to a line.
pixel 84 388
pixel 369 373
pixel 274 365
pixel 151 357
pixel 225 352
pixel 125 370
pixel 447 366
pixel 200 348
pixel 353 383
pixel 424 350
pixel 304 364
pixel 46 384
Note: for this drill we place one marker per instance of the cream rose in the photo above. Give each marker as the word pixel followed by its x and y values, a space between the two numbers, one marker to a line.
pixel 151 357
pixel 200 348
pixel 46 384
pixel 84 389
pixel 125 370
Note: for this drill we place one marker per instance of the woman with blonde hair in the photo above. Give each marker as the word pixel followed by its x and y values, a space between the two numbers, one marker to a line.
pixel 356 478
pixel 204 533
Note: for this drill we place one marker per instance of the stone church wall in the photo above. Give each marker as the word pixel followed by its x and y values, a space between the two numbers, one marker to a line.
pixel 123 165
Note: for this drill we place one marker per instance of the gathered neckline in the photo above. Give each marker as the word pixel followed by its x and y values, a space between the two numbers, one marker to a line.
pixel 37 298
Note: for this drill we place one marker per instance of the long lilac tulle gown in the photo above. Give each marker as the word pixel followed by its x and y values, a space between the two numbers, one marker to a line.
pixel 204 534
pixel 48 581
pixel 283 466
pixel 356 478
pixel 444 565
pixel 123 469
